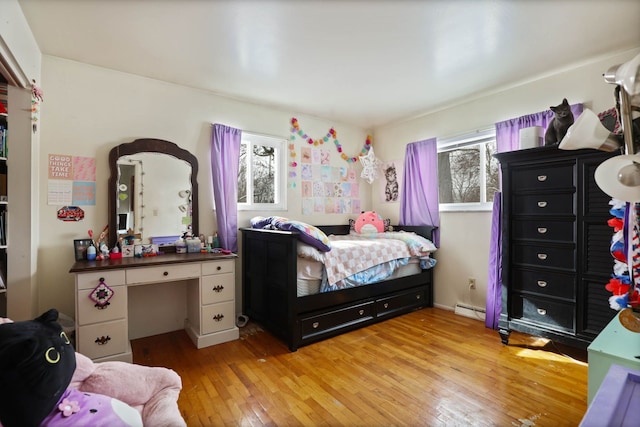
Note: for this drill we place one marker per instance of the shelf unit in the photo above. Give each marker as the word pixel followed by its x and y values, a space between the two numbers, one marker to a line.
pixel 3 198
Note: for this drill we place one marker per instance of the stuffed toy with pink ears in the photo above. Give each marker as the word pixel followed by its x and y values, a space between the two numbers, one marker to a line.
pixel 369 222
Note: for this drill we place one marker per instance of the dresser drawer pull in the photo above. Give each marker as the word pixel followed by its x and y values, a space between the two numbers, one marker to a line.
pixel 218 288
pixel 218 317
pixel 315 325
pixel 103 340
pixel 542 256
pixel 166 273
pixel 102 306
pixel 542 178
pixel 542 283
pixel 542 204
pixel 361 312
pixel 542 230
pixel 385 305
pixel 542 311
pixel 418 296
pixel 218 268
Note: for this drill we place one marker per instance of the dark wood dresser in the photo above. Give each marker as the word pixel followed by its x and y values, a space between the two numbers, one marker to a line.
pixel 555 245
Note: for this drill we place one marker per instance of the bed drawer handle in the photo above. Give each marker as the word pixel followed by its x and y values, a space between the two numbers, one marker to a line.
pixel 386 305
pixel 103 340
pixel 360 312
pixel 218 288
pixel 315 325
pixel 218 317
pixel 542 178
pixel 542 256
pixel 542 311
pixel 542 283
pixel 542 230
pixel 542 204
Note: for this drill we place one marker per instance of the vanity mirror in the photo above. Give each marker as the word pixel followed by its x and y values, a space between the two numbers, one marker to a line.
pixel 153 189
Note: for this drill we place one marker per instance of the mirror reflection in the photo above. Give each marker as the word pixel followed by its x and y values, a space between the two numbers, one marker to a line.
pixel 152 190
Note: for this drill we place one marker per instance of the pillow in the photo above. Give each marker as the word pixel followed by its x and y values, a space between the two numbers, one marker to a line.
pixel 370 222
pixel 265 222
pixel 308 233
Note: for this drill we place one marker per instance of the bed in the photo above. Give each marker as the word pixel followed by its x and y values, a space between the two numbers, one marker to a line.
pixel 285 306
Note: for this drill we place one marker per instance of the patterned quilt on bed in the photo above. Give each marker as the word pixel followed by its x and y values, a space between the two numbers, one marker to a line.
pixel 352 253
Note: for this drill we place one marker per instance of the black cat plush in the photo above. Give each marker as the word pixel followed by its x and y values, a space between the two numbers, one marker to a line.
pixel 37 362
pixel 558 126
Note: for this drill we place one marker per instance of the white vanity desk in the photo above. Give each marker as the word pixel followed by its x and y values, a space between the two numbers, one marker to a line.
pixel 208 281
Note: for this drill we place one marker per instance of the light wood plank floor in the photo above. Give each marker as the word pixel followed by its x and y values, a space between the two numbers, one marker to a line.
pixel 427 368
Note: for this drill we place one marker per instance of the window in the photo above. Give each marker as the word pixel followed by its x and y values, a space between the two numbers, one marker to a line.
pixel 468 174
pixel 261 177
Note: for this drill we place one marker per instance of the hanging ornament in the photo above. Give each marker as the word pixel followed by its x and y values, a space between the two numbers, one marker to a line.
pixel 370 166
pixel 36 98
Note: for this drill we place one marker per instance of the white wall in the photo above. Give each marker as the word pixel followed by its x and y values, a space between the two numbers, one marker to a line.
pixel 465 236
pixel 89 110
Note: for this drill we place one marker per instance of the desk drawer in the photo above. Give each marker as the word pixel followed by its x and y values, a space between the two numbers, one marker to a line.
pixel 165 273
pixel 103 339
pixel 218 288
pixel 88 312
pixel 545 177
pixel 91 280
pixel 543 204
pixel 218 317
pixel 552 314
pixel 218 267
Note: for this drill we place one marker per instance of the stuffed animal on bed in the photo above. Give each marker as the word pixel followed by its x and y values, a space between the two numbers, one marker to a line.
pixel 37 363
pixel 370 222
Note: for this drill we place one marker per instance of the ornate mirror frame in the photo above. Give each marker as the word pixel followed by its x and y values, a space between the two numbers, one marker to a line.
pixel 148 145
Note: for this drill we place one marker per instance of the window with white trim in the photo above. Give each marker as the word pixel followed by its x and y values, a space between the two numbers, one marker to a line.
pixel 468 174
pixel 261 175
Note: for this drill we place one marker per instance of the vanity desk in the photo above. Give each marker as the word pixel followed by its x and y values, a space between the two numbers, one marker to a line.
pixel 206 288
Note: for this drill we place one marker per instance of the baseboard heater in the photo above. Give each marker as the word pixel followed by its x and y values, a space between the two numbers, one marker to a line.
pixel 470 311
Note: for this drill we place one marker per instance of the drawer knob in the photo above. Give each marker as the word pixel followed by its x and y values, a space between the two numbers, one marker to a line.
pixel 218 317
pixel 360 312
pixel 386 305
pixel 542 283
pixel 542 256
pixel 102 340
pixel 315 325
pixel 166 273
pixel 542 204
pixel 542 230
pixel 542 311
pixel 542 178
pixel 418 296
pixel 218 288
pixel 218 268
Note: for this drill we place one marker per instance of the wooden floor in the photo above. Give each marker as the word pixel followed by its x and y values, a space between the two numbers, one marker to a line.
pixel 427 368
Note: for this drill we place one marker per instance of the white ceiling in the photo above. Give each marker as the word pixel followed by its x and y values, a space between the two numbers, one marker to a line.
pixel 364 63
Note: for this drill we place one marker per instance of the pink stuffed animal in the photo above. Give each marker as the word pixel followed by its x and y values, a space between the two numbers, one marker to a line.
pixel 369 222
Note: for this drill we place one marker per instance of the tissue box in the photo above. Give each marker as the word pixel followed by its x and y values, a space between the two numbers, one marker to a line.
pixel 127 251
pixel 193 245
pixel 140 251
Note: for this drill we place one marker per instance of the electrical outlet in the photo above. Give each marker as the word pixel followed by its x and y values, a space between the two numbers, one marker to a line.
pixel 472 283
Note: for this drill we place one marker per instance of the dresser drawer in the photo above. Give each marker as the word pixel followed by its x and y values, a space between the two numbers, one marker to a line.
pixel 543 177
pixel 91 280
pixel 543 229
pixel 218 317
pixel 218 288
pixel 337 319
pixel 103 339
pixel 543 204
pixel 552 314
pixel 544 256
pixel 88 312
pixel 543 282
pixel 163 273
pixel 401 302
pixel 218 267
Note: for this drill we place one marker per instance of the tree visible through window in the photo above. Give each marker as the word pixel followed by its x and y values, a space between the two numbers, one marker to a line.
pixel 260 177
pixel 468 174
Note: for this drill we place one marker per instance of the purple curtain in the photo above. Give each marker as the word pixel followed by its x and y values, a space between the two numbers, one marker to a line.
pixel 419 193
pixel 508 139
pixel 225 155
